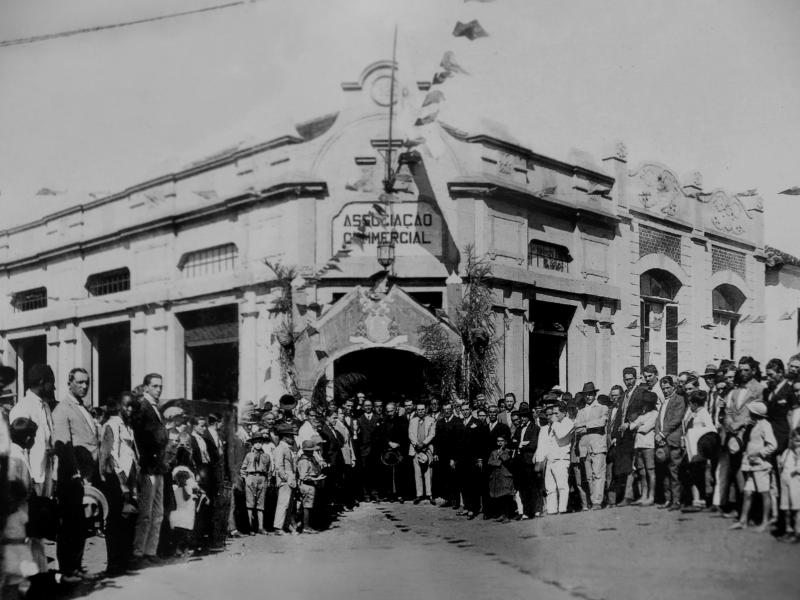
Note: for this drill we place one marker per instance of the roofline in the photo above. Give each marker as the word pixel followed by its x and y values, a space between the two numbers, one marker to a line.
pixel 193 169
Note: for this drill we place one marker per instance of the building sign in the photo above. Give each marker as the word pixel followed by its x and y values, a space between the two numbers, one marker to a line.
pixel 414 227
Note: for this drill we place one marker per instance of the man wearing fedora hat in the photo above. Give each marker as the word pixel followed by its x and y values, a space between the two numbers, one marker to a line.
pixel 591 424
pixel 421 431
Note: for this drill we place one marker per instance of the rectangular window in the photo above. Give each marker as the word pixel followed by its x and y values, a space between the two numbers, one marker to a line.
pixel 672 339
pixel 644 330
pixel 30 300
pixel 209 261
pixel 109 282
pixel 725 335
pixel 551 257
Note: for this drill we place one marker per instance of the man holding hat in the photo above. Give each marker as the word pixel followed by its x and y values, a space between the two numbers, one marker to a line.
pixel 591 425
pixel 523 446
pixel 421 431
pixel 285 476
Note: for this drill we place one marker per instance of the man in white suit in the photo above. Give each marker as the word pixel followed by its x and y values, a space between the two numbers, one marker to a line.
pixel 421 431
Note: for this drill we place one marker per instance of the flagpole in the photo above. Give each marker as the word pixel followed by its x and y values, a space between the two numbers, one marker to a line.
pixel 388 183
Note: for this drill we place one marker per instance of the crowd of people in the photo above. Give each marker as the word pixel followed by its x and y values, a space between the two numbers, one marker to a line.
pixel 159 482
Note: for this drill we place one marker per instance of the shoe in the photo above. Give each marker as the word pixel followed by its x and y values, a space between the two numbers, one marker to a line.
pixel 664 505
pixel 647 503
pixel 401 500
pixel 597 507
pixel 637 502
pixel 71 578
pixel 625 502
pixel 503 519
pixel 524 517
pixel 262 531
pixel 674 506
pixel 152 559
pixel 418 499
pixel 234 534
pixel 279 532
pixel 730 515
pixel 433 502
pixel 309 530
pixel 471 515
pixel 692 508
pixel 737 525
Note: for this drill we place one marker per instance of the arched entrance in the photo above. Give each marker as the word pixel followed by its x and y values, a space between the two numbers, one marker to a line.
pixel 659 320
pixel 384 373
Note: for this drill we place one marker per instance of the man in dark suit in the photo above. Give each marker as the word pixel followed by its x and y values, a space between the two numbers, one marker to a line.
pixel 668 435
pixel 496 428
pixel 151 439
pixel 369 450
pixel 449 434
pixel 77 445
pixel 394 437
pixel 474 453
pixel 523 446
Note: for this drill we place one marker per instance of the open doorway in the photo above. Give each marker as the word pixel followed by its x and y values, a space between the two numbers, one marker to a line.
pixel 211 340
pixel 547 359
pixel 111 361
pixel 30 351
pixel 384 373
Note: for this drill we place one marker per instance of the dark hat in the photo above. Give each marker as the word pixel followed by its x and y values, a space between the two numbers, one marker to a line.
pixel 588 388
pixel 708 446
pixel 214 418
pixel 287 401
pixel 710 370
pixel 650 397
pixel 391 457
pixel 7 375
pixel 524 413
pixel 284 429
pixel 257 437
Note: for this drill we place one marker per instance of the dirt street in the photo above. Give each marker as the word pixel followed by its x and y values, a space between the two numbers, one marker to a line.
pixel 403 551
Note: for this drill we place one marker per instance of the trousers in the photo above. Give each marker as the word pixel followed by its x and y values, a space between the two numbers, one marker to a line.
pixel 283 509
pixel 672 484
pixel 422 475
pixel 596 476
pixel 556 484
pixel 151 513
pixel 72 526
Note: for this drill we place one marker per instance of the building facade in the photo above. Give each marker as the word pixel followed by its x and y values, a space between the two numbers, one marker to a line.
pixel 596 265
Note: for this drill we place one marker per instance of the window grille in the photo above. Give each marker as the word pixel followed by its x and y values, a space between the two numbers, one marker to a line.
pixel 209 261
pixel 30 300
pixel 551 257
pixel 723 259
pixel 654 241
pixel 109 282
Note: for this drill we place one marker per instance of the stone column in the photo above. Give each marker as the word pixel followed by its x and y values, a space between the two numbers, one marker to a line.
pixel 53 343
pixel 156 353
pixel 248 351
pixel 138 347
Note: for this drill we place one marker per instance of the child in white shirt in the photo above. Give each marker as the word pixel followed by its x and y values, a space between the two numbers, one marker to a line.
pixel 644 448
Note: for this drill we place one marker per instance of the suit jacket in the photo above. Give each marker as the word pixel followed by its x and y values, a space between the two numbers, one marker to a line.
pixel 500 429
pixel 779 403
pixel 429 425
pixel 449 435
pixel 368 434
pixel 737 416
pixel 332 445
pixel 670 418
pixel 476 440
pixel 636 404
pixel 76 439
pixel 524 445
pixel 151 438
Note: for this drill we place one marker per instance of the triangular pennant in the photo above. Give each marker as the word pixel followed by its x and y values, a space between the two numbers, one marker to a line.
pixel 751 192
pixel 433 97
pixel 425 119
pixel 440 78
pixel 792 191
pixel 472 30
pixel 633 324
pixel 450 65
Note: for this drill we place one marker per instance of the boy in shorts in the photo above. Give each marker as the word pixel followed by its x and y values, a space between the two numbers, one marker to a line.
pixel 644 448
pixel 756 468
pixel 309 477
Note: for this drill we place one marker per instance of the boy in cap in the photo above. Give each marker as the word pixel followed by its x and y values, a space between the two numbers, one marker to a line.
pixel 756 467
pixel 255 471
pixel 309 477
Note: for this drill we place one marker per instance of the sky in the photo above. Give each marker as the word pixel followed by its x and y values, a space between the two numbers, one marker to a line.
pixel 702 85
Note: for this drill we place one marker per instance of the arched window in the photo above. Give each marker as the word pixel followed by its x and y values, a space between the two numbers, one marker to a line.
pixel 658 319
pixel 726 302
